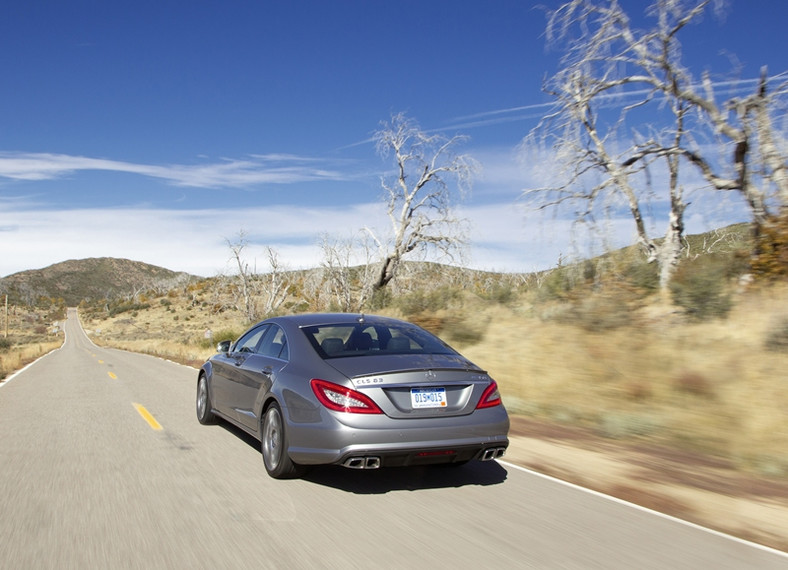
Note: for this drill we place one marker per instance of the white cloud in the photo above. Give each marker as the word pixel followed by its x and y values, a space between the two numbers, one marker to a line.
pixel 195 240
pixel 256 169
pixel 181 240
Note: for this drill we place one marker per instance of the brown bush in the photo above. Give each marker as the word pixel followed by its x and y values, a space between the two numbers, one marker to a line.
pixel 638 391
pixel 694 383
pixel 771 260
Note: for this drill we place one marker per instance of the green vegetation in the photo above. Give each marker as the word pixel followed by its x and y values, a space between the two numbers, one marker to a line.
pixel 117 308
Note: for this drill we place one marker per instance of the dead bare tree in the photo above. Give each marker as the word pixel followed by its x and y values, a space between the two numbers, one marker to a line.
pixel 275 283
pixel 336 265
pixel 245 281
pixel 311 287
pixel 614 76
pixel 349 271
pixel 419 196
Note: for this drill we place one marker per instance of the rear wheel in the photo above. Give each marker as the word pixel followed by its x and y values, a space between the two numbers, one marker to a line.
pixel 204 414
pixel 274 446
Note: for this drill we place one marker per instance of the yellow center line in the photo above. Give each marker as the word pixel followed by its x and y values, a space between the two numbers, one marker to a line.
pixel 101 362
pixel 146 415
pixel 112 375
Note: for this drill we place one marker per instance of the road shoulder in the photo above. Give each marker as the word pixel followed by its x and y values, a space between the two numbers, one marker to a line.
pixel 699 489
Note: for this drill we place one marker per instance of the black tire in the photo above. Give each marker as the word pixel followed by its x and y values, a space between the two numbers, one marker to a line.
pixel 273 441
pixel 204 414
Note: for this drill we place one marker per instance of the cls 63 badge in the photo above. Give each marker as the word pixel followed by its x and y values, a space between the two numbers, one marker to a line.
pixel 368 381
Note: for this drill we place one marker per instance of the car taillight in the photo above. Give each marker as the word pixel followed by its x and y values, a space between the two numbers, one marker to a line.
pixel 342 399
pixel 490 398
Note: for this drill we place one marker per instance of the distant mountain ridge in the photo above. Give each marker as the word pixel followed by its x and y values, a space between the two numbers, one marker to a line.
pixel 89 279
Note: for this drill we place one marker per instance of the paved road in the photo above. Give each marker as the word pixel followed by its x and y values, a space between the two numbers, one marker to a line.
pixel 86 481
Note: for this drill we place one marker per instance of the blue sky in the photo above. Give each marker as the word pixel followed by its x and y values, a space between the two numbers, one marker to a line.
pixel 156 131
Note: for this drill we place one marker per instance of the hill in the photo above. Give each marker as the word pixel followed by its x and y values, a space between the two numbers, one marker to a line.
pixel 90 279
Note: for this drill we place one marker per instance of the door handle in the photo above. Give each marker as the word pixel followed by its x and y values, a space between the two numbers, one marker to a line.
pixel 268 370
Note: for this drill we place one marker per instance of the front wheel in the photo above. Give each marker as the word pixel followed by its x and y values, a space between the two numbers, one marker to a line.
pixel 204 414
pixel 274 446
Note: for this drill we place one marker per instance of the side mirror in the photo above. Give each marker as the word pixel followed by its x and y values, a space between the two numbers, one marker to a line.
pixel 223 346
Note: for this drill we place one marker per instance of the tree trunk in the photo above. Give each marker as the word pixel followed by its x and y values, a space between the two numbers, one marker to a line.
pixel 671 249
pixel 387 270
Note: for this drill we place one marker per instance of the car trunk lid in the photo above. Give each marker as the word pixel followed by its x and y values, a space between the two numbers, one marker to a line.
pixel 417 386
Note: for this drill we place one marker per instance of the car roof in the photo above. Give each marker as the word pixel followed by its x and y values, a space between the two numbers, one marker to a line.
pixel 315 319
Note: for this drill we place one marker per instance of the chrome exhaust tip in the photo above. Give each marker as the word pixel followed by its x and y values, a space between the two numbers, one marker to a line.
pixel 354 463
pixel 362 463
pixel 492 453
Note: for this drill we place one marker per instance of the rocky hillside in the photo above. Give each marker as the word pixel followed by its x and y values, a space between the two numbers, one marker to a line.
pixel 89 279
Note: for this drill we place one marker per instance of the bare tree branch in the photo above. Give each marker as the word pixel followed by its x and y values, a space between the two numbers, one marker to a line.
pixel 608 66
pixel 420 199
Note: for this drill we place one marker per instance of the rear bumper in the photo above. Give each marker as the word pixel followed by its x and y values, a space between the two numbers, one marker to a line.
pixel 425 456
pixel 392 456
pixel 402 442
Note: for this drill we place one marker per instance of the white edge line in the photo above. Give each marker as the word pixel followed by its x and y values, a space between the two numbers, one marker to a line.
pixel 647 510
pixel 28 365
pixel 17 372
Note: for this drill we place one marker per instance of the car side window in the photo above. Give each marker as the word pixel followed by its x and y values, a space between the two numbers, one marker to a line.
pixel 274 343
pixel 250 341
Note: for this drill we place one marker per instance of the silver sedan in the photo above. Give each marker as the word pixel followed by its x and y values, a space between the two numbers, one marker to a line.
pixel 354 390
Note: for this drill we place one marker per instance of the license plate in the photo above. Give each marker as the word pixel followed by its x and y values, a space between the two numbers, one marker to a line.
pixel 428 397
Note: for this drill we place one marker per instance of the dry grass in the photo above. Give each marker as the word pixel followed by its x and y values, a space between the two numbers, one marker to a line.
pixel 710 386
pixel 177 331
pixel 28 334
pixel 19 356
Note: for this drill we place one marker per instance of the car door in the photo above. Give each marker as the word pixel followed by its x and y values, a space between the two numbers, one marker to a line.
pixel 258 372
pixel 228 374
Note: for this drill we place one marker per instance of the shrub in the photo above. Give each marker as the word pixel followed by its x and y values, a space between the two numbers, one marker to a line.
pixel 226 334
pixel 502 294
pixel 700 287
pixel 428 321
pixel 643 275
pixel 556 285
pixel 618 425
pixel 600 312
pixel 422 301
pixel 125 307
pixel 463 330
pixel 607 308
pixel 771 261
pixel 694 384
pixel 379 299
pixel 638 391
pixel 777 338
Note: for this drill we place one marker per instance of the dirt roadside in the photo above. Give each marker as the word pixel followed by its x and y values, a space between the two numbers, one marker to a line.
pixel 703 490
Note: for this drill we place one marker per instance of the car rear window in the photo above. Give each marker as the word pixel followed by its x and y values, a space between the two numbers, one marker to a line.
pixel 364 339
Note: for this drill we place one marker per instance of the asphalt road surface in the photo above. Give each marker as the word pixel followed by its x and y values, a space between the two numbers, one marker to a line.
pixel 103 465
